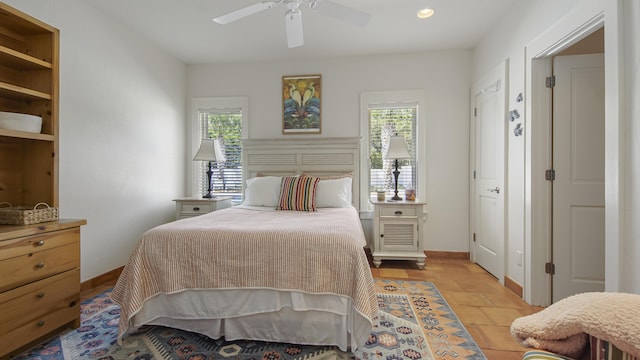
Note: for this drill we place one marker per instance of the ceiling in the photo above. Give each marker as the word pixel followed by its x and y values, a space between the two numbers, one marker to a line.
pixel 185 28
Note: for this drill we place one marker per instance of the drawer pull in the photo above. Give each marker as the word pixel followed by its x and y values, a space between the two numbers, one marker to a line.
pixel 72 304
pixel 40 265
pixel 39 243
pixel 196 209
pixel 398 212
pixel 40 295
pixel 40 323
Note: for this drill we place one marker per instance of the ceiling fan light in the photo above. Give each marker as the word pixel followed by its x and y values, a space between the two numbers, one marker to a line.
pixel 425 13
pixel 292 4
pixel 293 20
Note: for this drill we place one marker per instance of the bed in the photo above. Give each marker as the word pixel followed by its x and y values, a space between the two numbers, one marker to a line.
pixel 284 267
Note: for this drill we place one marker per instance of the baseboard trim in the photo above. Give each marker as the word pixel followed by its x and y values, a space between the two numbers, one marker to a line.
pixel 447 255
pixel 512 285
pixel 106 278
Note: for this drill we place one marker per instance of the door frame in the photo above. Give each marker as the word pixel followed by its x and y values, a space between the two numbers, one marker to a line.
pixel 500 73
pixel 538 154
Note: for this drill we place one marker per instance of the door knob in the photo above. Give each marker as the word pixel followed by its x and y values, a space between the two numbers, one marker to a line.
pixel 496 190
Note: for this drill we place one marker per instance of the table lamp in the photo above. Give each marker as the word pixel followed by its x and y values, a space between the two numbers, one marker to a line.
pixel 397 150
pixel 209 151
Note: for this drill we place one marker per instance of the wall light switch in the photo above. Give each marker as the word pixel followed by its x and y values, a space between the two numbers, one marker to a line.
pixel 518 258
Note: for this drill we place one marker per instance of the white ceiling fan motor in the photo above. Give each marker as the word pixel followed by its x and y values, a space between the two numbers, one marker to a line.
pixel 293 16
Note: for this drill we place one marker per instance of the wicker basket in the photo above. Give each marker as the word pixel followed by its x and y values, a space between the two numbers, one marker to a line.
pixel 26 215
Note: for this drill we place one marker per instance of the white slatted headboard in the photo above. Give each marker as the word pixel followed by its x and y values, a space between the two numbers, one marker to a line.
pixel 316 156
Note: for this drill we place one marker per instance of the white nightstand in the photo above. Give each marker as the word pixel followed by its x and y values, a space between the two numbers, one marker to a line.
pixel 398 231
pixel 193 206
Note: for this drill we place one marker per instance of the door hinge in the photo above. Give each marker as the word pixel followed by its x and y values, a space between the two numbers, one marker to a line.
pixel 550 268
pixel 474 174
pixel 474 237
pixel 550 175
pixel 475 111
pixel 550 81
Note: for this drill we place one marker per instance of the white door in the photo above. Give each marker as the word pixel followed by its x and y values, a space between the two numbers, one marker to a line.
pixel 578 188
pixel 488 124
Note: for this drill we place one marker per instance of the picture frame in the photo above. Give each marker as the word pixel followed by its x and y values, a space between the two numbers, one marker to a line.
pixel 301 104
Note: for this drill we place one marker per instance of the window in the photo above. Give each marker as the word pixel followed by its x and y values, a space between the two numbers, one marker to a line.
pixel 223 119
pixel 385 121
pixel 384 114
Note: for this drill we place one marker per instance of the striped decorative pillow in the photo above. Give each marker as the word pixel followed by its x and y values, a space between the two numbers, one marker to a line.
pixel 298 193
pixel 604 350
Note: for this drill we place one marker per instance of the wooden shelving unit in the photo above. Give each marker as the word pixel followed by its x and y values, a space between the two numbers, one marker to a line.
pixel 39 263
pixel 28 85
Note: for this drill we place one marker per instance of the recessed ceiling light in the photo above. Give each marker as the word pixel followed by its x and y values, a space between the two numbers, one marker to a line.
pixel 425 13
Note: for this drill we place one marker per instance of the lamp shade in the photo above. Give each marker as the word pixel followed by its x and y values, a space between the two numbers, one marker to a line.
pixel 397 148
pixel 209 150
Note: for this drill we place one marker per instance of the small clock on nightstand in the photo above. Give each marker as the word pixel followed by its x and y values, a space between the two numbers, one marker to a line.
pixel 193 206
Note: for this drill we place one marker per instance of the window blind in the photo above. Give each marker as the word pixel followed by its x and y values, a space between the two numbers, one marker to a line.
pixel 386 120
pixel 226 126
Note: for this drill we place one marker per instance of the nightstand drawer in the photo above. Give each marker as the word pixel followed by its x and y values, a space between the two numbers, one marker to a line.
pixel 395 211
pixel 190 207
pixel 196 208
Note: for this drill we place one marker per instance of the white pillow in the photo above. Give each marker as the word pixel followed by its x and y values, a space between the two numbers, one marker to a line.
pixel 262 191
pixel 334 193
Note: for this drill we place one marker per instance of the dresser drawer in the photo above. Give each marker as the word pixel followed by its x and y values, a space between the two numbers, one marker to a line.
pixel 395 211
pixel 37 328
pixel 31 302
pixel 196 208
pixel 37 265
pixel 31 244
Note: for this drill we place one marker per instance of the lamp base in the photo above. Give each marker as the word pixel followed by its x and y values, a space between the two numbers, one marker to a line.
pixel 396 172
pixel 209 195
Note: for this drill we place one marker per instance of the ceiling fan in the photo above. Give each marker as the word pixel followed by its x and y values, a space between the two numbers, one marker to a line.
pixel 293 16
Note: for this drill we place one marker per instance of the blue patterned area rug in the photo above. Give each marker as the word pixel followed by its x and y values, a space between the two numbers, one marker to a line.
pixel 414 322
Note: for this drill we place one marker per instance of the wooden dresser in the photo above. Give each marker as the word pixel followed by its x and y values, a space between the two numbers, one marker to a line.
pixel 39 282
pixel 40 263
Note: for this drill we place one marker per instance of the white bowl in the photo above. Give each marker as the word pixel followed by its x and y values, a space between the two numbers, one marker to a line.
pixel 20 122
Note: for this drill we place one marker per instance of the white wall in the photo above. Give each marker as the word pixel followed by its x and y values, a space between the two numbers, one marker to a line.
pixel 445 78
pixel 507 40
pixel 527 23
pixel 122 130
pixel 622 66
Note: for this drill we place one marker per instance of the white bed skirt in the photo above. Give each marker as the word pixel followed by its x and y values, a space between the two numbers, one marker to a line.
pixel 259 314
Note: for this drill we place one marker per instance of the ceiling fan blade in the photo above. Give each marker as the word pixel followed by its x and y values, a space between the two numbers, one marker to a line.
pixel 244 12
pixel 341 12
pixel 293 20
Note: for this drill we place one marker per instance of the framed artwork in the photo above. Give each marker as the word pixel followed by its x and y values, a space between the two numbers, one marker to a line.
pixel 301 100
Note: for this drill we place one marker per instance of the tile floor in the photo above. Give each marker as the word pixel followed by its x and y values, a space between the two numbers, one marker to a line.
pixel 485 307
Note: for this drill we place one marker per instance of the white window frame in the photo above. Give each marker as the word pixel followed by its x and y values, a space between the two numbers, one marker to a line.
pixel 400 97
pixel 210 104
